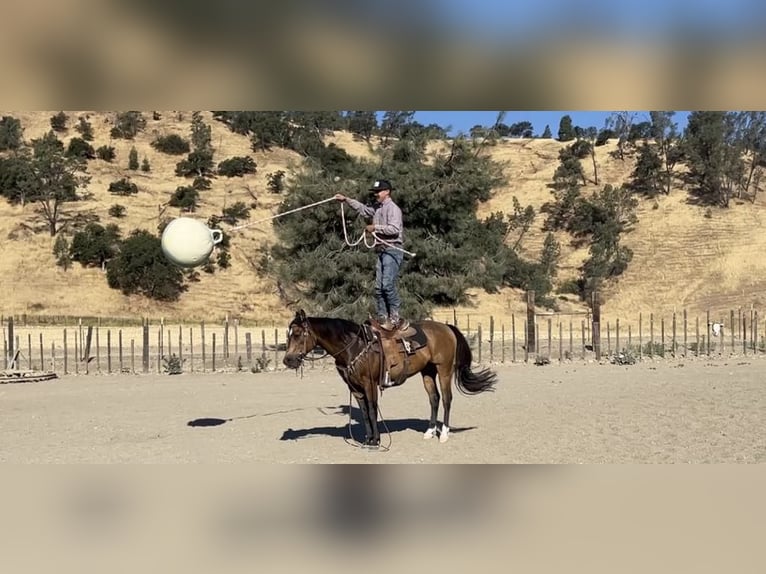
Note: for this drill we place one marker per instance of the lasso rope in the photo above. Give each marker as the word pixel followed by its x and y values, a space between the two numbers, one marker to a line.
pixel 375 239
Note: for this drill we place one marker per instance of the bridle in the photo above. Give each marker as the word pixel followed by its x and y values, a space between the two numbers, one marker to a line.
pixel 304 324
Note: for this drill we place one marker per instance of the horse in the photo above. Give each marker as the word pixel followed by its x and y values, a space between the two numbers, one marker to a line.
pixel 434 350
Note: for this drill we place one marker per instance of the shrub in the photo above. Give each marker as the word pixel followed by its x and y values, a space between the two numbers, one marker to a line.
pixel 133 159
pixel 236 166
pixel 58 122
pixel 185 197
pixel 106 152
pixel 61 252
pixel 145 167
pixel 128 124
pixel 117 211
pixel 123 187
pixel 141 268
pixel 276 181
pixel 235 212
pixel 171 144
pixel 78 147
pixel 10 133
pixel 85 129
pixel 196 164
pixel 95 245
pixel 172 365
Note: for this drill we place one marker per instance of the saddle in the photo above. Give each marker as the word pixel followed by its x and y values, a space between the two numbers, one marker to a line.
pixel 404 330
pixel 395 347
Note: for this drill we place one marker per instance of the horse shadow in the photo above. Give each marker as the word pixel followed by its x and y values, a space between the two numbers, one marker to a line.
pixel 357 426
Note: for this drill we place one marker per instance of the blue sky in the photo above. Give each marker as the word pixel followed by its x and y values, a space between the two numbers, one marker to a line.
pixel 463 121
pixel 629 19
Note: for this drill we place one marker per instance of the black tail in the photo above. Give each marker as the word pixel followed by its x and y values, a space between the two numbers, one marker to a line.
pixel 469 382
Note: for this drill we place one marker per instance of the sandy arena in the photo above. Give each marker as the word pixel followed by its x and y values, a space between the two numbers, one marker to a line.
pixel 701 411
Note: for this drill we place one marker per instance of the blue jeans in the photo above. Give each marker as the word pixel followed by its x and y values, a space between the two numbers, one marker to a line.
pixel 386 275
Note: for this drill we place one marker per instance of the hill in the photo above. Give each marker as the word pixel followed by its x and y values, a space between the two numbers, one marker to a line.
pixel 684 256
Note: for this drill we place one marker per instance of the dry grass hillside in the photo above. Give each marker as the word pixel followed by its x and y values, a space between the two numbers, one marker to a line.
pixel 682 258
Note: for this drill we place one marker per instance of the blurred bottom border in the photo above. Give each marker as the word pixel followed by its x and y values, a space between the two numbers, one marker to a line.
pixel 326 518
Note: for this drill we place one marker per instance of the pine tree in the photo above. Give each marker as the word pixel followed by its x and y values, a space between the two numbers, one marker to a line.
pixel 133 159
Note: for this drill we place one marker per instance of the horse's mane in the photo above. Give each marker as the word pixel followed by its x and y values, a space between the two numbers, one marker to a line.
pixel 332 325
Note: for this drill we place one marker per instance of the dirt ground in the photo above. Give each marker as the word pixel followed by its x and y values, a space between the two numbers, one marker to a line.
pixel 700 411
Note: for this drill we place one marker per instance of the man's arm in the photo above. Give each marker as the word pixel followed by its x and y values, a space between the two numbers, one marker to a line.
pixel 358 206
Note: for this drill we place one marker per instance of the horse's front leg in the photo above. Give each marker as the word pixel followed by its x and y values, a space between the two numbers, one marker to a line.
pixel 361 400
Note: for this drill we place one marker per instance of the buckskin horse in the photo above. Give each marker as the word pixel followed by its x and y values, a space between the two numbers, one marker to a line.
pixel 367 357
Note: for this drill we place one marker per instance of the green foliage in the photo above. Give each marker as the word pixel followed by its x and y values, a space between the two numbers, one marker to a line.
pixel 581 148
pixel 186 198
pixel 127 125
pixel 201 183
pixel 603 137
pixel 223 259
pixel 10 133
pixel 85 129
pixel 197 163
pixel 79 148
pixel 569 172
pixel 520 221
pixel 236 166
pixel 566 130
pixel 61 252
pixel 714 157
pixel 117 211
pixel 276 181
pixel 14 172
pixel 145 167
pixel 438 198
pixel 647 176
pixel 171 144
pixel 201 135
pixel 133 158
pixel 123 186
pixel 52 178
pixel 141 268
pixel 95 245
pixel 106 152
pixel 172 365
pixel 235 212
pixel 547 134
pixel 59 121
pixel 362 124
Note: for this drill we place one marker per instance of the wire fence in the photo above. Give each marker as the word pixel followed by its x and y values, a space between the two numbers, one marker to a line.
pixel 91 346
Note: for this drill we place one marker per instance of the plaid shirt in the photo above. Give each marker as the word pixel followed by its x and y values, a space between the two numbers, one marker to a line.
pixel 386 217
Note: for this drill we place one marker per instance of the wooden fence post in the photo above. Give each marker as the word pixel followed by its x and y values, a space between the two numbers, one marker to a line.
pixel 513 338
pixel 491 339
pixel 596 307
pixel 145 348
pixel 213 352
pixel 530 338
pixel 119 343
pixel 204 351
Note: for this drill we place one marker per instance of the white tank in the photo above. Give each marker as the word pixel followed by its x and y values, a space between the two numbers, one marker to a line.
pixel 188 242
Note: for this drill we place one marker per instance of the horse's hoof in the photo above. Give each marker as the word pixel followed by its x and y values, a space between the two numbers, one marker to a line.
pixel 430 433
pixel 444 435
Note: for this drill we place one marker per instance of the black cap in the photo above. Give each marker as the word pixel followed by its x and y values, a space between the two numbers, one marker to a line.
pixel 381 185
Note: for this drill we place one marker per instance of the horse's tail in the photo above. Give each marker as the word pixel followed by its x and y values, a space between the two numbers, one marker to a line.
pixel 468 381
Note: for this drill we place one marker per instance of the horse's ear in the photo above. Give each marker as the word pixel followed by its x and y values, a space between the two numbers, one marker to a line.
pixel 301 315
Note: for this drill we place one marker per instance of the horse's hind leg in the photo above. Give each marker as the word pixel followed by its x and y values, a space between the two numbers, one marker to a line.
pixel 429 382
pixel 445 382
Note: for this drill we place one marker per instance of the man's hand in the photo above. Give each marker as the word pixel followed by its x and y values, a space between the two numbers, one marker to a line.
pixel 370 228
pixel 340 197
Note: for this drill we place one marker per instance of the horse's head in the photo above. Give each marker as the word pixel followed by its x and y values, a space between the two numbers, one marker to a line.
pixel 300 340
